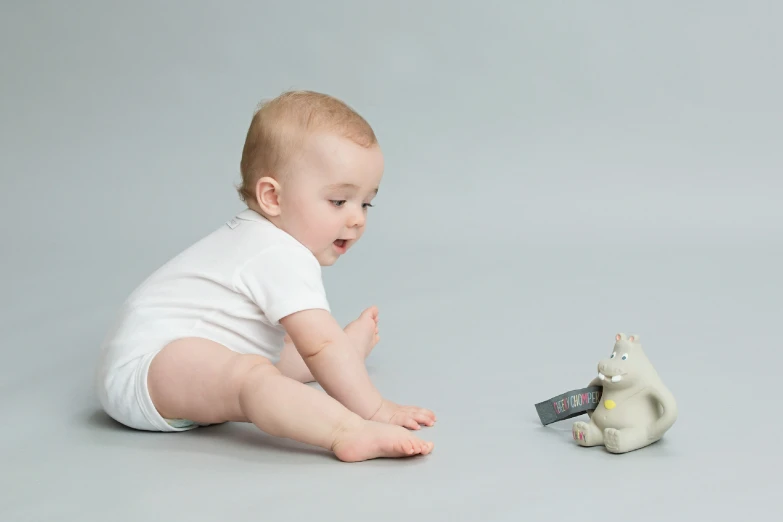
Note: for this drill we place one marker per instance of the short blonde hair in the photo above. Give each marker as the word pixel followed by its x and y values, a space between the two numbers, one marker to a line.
pixel 280 125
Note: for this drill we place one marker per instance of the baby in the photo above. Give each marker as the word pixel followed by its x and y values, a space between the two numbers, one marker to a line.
pixel 232 328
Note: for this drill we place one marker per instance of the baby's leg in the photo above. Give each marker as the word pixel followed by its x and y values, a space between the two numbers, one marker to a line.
pixel 205 382
pixel 363 331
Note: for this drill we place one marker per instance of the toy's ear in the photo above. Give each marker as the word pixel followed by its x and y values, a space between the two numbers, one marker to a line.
pixel 634 338
pixel 620 337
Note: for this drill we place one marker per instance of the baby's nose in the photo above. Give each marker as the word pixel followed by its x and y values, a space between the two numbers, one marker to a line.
pixel 356 219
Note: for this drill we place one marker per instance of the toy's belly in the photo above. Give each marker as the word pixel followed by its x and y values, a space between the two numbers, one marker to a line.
pixel 614 412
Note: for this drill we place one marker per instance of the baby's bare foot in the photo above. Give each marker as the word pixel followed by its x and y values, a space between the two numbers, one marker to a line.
pixel 364 330
pixel 371 440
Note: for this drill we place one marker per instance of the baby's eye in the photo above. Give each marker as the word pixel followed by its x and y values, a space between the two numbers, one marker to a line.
pixel 624 357
pixel 366 205
pixel 338 202
pixel 612 356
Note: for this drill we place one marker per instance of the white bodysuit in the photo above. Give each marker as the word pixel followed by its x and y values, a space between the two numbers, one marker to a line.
pixel 233 287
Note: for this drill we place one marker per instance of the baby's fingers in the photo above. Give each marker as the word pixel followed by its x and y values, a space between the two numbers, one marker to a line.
pixel 423 417
pixel 405 419
pixel 411 423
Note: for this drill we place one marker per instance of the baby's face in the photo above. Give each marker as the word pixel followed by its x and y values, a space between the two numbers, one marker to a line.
pixel 325 199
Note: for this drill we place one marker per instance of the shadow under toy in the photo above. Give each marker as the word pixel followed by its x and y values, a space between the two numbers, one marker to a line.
pixel 628 404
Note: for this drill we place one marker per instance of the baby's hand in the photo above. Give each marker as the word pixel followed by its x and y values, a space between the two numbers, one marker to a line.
pixel 406 416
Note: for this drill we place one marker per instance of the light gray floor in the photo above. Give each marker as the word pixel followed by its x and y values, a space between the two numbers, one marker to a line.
pixel 480 350
pixel 555 174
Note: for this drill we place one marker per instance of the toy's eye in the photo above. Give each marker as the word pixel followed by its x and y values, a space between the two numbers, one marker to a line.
pixel 624 357
pixel 612 356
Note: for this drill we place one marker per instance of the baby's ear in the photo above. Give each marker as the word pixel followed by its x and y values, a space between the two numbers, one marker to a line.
pixel 268 195
pixel 634 338
pixel 620 337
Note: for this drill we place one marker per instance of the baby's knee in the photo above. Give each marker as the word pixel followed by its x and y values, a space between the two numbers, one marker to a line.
pixel 200 380
pixel 252 375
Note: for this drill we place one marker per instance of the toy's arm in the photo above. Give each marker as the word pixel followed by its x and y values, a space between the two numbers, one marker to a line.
pixel 665 398
pixel 595 382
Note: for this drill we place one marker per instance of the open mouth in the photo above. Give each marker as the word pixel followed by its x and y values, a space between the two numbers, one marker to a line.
pixel 340 243
pixel 614 378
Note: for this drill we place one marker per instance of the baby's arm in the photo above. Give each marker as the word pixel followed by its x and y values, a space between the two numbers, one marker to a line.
pixel 337 366
pixel 285 282
pixel 328 353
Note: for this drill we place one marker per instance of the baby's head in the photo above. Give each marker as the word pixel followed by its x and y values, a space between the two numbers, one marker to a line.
pixel 311 165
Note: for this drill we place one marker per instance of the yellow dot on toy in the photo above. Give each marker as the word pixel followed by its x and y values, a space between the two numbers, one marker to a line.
pixel 609 404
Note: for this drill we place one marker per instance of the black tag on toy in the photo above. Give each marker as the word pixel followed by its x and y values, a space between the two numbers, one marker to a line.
pixel 569 404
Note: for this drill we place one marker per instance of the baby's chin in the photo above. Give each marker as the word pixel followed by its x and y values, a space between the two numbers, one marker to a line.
pixel 326 258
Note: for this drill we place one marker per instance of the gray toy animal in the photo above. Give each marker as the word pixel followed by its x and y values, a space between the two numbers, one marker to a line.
pixel 636 409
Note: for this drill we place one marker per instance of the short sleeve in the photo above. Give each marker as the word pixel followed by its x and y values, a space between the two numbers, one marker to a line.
pixel 283 280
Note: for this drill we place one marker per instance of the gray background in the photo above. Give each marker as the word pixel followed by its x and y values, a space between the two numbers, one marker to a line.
pixel 556 172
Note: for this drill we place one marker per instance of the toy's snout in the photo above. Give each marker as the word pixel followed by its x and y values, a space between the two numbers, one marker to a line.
pixel 610 371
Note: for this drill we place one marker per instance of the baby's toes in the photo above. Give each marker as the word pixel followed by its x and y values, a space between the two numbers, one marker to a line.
pixel 407 447
pixel 420 446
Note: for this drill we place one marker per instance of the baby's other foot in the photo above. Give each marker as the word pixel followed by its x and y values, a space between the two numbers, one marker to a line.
pixel 364 331
pixel 370 440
